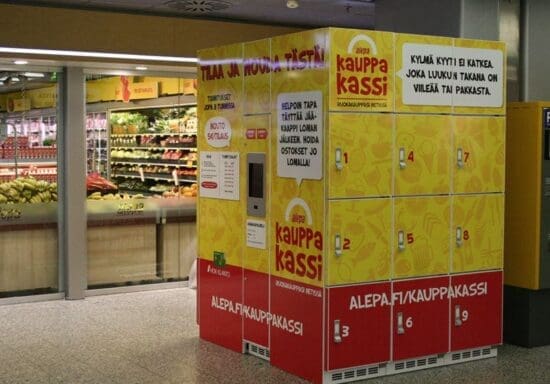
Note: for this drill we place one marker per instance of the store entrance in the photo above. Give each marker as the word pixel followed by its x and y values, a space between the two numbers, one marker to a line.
pixel 141 179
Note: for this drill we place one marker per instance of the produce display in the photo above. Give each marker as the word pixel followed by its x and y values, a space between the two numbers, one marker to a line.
pixel 27 190
pixel 153 151
pixel 96 183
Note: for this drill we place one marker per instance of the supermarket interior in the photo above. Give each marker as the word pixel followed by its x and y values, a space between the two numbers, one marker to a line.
pixel 205 191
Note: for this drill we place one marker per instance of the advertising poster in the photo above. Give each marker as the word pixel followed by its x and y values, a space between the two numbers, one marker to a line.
pixel 361 70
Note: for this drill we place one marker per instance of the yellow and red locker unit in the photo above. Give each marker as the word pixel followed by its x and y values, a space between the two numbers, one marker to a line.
pixel 350 214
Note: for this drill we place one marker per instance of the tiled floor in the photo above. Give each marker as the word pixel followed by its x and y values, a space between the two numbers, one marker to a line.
pixel 151 337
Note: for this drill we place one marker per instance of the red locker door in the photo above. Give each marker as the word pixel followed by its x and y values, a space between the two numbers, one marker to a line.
pixel 358 325
pixel 476 310
pixel 420 317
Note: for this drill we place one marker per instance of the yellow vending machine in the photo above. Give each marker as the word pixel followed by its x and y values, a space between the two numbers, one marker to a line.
pixel 527 240
pixel 351 201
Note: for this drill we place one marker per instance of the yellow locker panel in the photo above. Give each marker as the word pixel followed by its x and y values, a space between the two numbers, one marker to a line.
pixel 359 233
pixel 478 230
pixel 422 154
pixel 360 155
pixel 478 150
pixel 421 236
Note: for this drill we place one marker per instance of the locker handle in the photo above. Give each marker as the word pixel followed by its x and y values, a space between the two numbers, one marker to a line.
pixel 458 319
pixel 402 162
pixel 460 158
pixel 401 240
pixel 338 159
pixel 400 327
pixel 337 336
pixel 459 237
pixel 337 245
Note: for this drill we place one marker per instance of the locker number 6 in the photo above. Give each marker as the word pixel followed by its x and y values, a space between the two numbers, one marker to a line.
pixel 409 322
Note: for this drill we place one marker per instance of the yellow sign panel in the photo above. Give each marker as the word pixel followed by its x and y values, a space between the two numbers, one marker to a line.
pixel 478 225
pixel 361 70
pixel 257 76
pixel 43 97
pixel 359 238
pixel 422 154
pixel 298 89
pixel 137 91
pixel 478 154
pixel 18 105
pixel 421 236
pixel 359 162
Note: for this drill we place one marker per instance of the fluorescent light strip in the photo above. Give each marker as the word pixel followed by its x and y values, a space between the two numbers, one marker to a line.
pixel 100 55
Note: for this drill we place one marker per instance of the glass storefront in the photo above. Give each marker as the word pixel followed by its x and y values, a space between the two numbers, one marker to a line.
pixel 141 179
pixel 29 126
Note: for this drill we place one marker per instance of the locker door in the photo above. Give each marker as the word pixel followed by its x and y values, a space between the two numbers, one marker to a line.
pixel 420 317
pixel 358 325
pixel 421 236
pixel 478 154
pixel 422 154
pixel 360 155
pixel 359 233
pixel 476 310
pixel 478 232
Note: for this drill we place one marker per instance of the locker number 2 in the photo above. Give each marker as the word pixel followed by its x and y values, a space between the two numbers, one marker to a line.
pixel 347 244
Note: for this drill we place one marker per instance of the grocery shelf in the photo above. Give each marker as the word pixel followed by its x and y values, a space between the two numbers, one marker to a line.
pixel 175 165
pixel 191 149
pixel 154 134
pixel 155 177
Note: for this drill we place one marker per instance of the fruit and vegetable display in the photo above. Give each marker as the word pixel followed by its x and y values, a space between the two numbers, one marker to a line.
pixel 27 190
pixel 158 158
pixel 96 183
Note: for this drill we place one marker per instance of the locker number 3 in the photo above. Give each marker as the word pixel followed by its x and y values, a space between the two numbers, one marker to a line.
pixel 345 331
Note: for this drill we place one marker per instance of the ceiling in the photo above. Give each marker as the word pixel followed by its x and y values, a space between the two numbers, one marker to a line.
pixel 309 13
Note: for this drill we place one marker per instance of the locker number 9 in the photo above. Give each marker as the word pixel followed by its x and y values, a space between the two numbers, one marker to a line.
pixel 465 315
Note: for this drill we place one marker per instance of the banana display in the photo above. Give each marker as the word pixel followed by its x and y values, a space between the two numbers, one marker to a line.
pixel 27 190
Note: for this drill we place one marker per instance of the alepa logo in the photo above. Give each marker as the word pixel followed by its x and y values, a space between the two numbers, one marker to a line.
pixel 361 71
pixel 308 261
